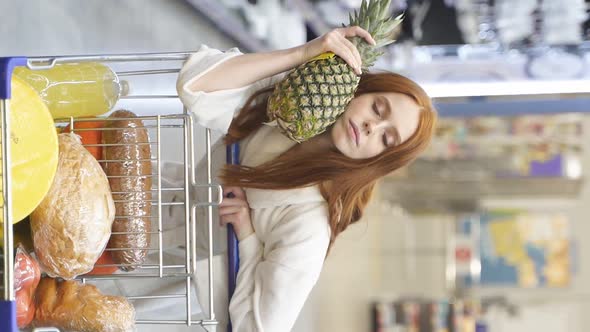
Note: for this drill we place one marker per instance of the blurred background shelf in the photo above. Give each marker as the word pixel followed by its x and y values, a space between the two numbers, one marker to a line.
pixel 456 195
pixel 229 23
pixel 455 188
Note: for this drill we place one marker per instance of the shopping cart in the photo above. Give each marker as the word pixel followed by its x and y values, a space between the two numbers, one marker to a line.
pixel 167 132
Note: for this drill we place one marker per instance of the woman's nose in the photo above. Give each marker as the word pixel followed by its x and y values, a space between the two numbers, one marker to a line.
pixel 368 127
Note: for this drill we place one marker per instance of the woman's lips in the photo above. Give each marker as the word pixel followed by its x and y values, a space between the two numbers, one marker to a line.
pixel 354 132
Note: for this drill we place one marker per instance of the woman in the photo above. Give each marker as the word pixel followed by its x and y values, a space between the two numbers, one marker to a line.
pixel 292 200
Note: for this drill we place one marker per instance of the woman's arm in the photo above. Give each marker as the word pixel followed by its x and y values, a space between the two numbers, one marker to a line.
pixel 246 69
pixel 276 277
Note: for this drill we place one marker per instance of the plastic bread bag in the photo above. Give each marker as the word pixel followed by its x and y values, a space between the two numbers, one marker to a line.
pixel 72 225
pixel 72 306
pixel 26 279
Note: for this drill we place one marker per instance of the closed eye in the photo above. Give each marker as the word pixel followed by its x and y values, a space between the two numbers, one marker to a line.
pixel 376 110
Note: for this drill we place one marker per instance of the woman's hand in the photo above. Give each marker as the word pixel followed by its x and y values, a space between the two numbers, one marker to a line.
pixel 236 211
pixel 335 41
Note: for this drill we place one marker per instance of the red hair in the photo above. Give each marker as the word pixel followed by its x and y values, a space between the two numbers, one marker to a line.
pixel 345 183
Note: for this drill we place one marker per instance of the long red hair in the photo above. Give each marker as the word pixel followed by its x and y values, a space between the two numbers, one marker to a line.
pixel 345 183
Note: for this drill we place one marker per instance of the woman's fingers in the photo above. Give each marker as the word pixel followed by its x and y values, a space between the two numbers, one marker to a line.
pixel 354 51
pixel 242 225
pixel 346 54
pixel 229 219
pixel 337 42
pixel 227 210
pixel 236 191
pixel 355 31
pixel 233 202
pixel 236 215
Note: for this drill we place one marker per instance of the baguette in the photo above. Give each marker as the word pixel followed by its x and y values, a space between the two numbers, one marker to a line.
pixel 72 306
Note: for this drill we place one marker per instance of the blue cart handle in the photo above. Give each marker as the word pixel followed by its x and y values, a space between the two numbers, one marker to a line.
pixel 233 158
pixel 7 65
pixel 8 316
pixel 7 305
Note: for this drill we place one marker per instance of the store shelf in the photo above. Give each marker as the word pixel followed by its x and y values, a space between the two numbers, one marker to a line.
pixel 229 24
pixel 455 194
pixel 483 107
pixel 533 296
pixel 497 140
pixel 315 21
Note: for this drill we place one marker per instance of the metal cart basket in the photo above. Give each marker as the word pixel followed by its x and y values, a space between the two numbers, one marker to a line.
pixel 171 133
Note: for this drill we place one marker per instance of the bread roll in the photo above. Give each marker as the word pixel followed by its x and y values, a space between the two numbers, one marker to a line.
pixel 132 190
pixel 73 306
pixel 72 225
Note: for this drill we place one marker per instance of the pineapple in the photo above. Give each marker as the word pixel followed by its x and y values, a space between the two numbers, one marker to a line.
pixel 311 97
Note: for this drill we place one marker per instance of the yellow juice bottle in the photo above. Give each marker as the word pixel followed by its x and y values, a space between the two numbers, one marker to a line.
pixel 74 89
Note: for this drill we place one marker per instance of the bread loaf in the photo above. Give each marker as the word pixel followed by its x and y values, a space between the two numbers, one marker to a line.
pixel 132 190
pixel 72 225
pixel 73 306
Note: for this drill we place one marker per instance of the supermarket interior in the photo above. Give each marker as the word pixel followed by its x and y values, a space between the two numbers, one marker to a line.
pixel 484 231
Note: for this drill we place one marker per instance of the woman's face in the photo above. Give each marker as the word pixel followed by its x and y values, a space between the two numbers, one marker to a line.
pixel 374 122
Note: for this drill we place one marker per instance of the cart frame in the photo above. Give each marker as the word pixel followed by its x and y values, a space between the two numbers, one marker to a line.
pixel 7 303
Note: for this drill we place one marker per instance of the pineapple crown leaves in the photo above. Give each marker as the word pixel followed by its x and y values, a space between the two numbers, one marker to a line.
pixel 374 17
